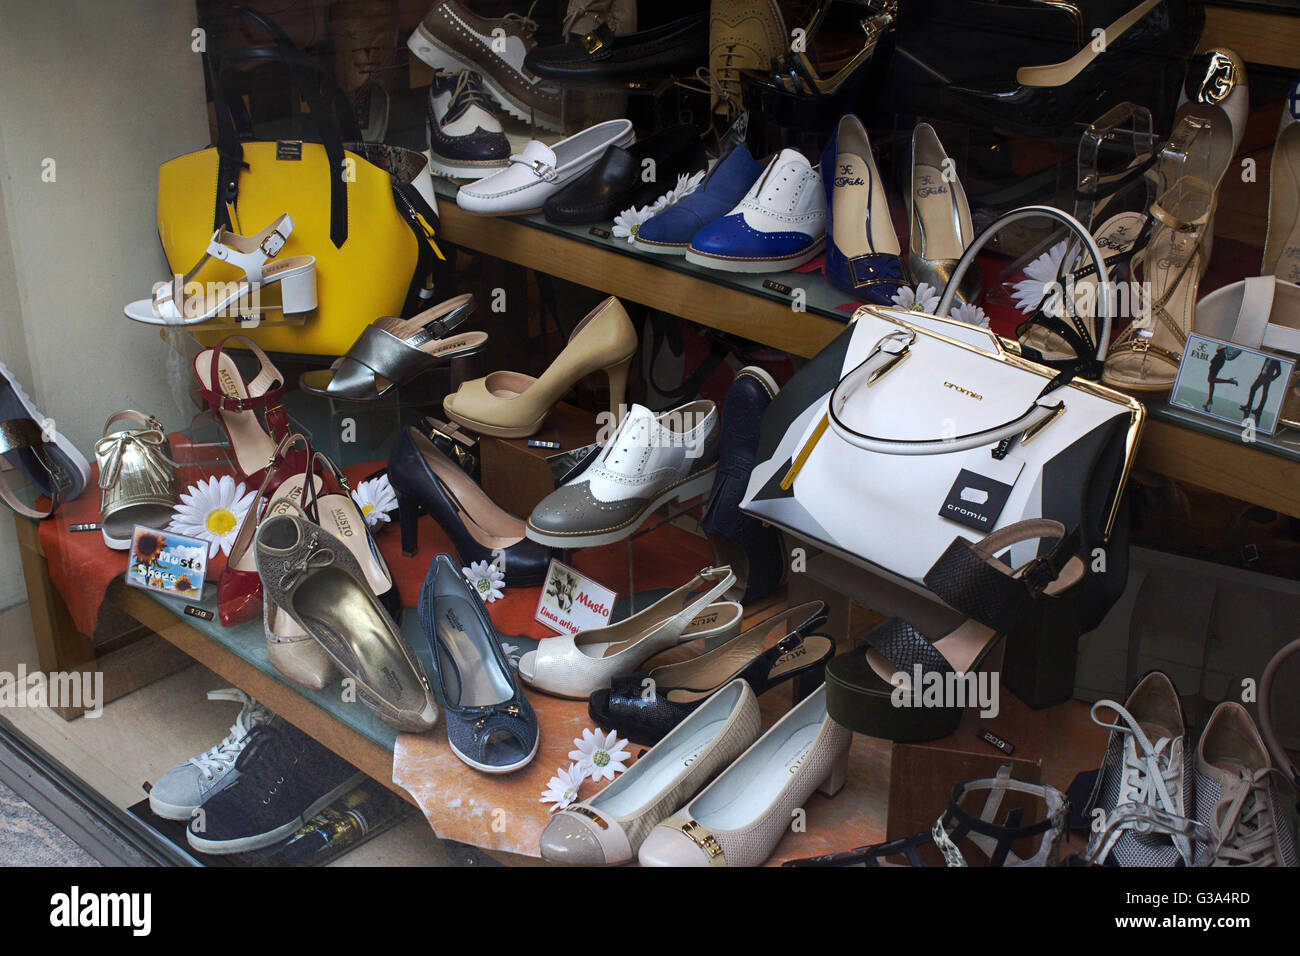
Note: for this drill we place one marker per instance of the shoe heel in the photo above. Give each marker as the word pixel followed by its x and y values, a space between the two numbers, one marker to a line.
pixel 408 515
pixel 1039 662
pixel 617 375
pixel 807 682
pixel 834 781
pixel 298 292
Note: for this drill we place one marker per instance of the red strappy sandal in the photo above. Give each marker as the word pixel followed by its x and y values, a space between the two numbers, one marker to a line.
pixel 236 403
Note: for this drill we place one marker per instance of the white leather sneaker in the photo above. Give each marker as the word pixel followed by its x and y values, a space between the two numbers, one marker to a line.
pixel 540 171
pixel 651 460
pixel 779 225
pixel 578 665
pixel 610 827
pixel 740 818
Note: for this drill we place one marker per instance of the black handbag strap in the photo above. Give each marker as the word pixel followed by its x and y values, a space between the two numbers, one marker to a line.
pixel 303 72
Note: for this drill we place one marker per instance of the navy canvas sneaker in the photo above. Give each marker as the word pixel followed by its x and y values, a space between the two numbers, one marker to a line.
pixel 285 778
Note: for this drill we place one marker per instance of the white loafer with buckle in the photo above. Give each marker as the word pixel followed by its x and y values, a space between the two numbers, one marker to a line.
pixel 540 171
pixel 610 827
pixel 740 817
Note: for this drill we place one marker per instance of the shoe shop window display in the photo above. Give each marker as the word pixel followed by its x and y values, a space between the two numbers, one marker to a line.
pixel 838 546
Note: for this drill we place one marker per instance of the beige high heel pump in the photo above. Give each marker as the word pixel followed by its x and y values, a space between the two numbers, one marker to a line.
pixel 514 405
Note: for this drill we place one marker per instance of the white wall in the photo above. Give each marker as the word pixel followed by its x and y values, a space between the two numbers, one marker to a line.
pixel 107 89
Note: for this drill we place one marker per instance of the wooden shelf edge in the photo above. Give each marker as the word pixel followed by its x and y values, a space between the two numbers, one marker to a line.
pixel 1248 474
pixel 735 311
pixel 367 756
pixel 1258 36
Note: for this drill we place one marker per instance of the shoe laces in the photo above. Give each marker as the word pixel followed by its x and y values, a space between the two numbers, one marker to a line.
pixel 704 81
pixel 1243 822
pixel 1149 775
pixel 467 92
pixel 524 22
pixel 222 757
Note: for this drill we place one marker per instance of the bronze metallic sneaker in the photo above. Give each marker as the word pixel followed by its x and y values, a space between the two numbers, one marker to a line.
pixel 451 38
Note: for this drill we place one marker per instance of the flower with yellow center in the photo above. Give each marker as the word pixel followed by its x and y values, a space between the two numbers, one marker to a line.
pixel 376 500
pixel 601 754
pixel 212 510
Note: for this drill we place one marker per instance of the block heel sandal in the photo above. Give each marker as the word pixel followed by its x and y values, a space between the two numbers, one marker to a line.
pixel 252 256
pixel 862 686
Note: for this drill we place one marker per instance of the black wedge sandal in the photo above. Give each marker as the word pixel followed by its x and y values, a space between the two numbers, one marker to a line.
pixel 959 835
pixel 899 686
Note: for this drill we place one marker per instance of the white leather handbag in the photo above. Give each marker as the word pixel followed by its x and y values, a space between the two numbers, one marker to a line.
pixel 910 429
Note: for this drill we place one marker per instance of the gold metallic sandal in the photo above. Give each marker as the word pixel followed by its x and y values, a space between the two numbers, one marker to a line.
pixel 1145 357
pixel 136 471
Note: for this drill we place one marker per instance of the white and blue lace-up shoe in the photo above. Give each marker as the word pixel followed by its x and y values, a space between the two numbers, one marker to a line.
pixel 780 223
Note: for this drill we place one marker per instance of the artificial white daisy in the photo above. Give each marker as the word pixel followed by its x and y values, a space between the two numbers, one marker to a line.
pixel 602 754
pixel 924 298
pixel 563 788
pixel 629 221
pixel 212 511
pixel 486 579
pixel 512 654
pixel 376 500
pixel 1041 278
pixel 684 187
pixel 970 314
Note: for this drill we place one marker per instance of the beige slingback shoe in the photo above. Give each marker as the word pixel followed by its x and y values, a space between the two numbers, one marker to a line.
pixel 514 405
pixel 575 665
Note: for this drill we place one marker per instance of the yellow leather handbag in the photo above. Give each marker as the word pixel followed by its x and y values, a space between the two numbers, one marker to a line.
pixel 369 230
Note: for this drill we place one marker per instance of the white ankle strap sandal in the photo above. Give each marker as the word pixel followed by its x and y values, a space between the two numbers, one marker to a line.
pixel 179 302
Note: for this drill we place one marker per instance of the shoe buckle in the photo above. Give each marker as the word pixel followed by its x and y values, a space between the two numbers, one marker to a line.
pixel 1038 574
pixel 788 644
pixel 543 171
pixel 272 244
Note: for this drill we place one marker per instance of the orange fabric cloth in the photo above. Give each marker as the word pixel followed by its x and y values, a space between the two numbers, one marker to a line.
pixel 81 565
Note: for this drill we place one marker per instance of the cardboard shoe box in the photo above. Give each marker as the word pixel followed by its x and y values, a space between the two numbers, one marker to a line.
pixel 516 476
